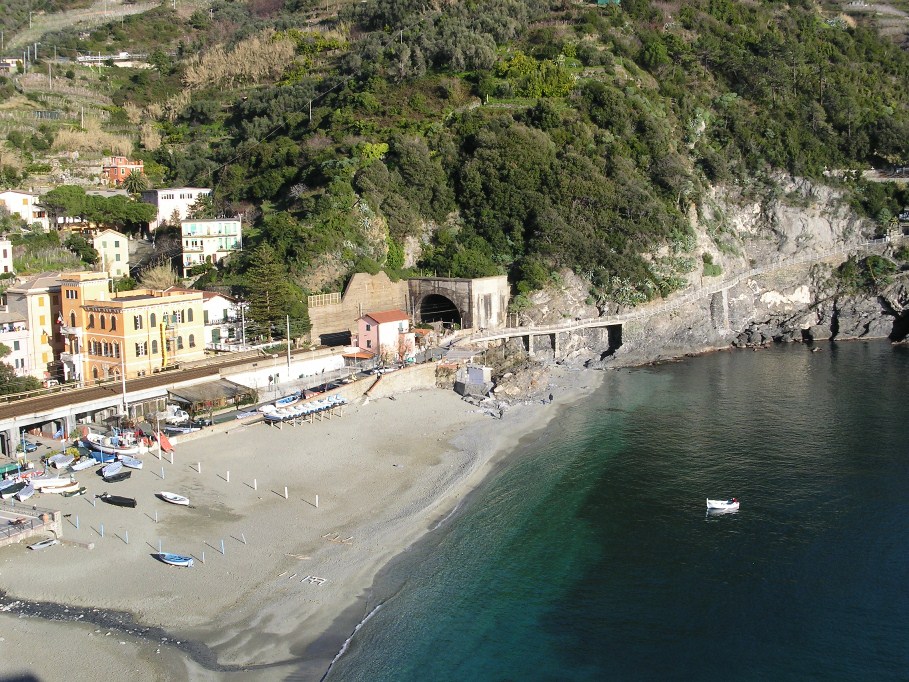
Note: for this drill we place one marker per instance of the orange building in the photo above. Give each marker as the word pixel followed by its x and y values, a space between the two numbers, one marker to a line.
pixel 137 332
pixel 116 169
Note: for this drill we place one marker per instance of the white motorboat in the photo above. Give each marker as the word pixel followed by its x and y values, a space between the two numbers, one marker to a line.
pixel 173 498
pixel 67 487
pixel 83 463
pixel 116 445
pixel 42 482
pixel 728 505
pixel 112 469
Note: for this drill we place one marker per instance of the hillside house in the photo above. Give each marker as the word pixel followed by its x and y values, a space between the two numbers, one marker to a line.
pixel 115 169
pixel 172 203
pixel 209 241
pixel 26 206
pixel 386 335
pixel 113 247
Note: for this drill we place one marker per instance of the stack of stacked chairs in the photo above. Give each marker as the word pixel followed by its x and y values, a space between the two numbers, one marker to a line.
pixel 296 414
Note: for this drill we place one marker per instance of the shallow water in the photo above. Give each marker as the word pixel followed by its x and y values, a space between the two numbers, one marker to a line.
pixel 591 556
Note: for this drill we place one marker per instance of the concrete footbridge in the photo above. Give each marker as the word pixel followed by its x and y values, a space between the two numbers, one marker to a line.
pixel 655 309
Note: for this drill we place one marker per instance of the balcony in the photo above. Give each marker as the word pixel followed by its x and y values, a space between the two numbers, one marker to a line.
pixel 71 331
pixel 74 359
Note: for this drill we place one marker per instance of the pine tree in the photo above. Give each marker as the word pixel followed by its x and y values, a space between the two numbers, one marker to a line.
pixel 270 294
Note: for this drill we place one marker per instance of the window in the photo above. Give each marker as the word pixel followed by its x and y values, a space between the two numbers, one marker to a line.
pixel 44 358
pixel 141 349
pixel 41 320
pixel 113 323
pixel 94 372
pixel 192 340
pixel 72 294
pixel 152 320
pixel 91 321
pixel 368 327
pixel 72 318
pixel 369 343
pixel 15 345
pixel 179 343
pixel 117 246
pixel 116 350
pixel 117 257
pixel 137 321
pixel 103 322
pixel 41 301
pixel 178 316
pixel 204 317
pixel 154 346
pixel 189 315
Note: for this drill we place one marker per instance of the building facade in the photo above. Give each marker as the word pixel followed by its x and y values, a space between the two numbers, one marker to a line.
pixel 6 256
pixel 173 203
pixel 133 333
pixel 386 335
pixel 209 241
pixel 37 301
pixel 15 336
pixel 113 247
pixel 115 169
pixel 25 205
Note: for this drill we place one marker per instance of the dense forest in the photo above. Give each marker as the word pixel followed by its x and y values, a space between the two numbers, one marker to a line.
pixel 511 137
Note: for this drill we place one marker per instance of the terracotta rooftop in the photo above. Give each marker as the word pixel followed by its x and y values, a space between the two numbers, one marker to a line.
pixel 388 316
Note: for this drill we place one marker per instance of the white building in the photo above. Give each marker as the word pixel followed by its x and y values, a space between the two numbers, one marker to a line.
pixel 113 247
pixel 209 241
pixel 386 334
pixel 223 322
pixel 15 336
pixel 6 256
pixel 172 203
pixel 25 205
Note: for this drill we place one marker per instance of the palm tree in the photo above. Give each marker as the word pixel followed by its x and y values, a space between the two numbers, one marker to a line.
pixel 135 182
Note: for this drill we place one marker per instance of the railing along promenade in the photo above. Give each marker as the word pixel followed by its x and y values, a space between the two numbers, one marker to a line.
pixel 648 311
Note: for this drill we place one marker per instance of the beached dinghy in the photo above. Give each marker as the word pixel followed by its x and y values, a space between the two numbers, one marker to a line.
pixel 61 461
pixel 74 493
pixel 116 445
pixel 83 462
pixel 728 505
pixel 173 498
pixel 44 544
pixel 112 469
pixel 175 559
pixel 13 489
pixel 117 477
pixel 131 462
pixel 42 482
pixel 117 500
pixel 68 487
pixel 26 492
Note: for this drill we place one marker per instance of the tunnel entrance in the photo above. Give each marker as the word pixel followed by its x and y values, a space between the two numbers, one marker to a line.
pixel 436 308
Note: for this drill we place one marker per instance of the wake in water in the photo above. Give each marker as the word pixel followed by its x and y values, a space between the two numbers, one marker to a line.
pixel 347 641
pixel 448 516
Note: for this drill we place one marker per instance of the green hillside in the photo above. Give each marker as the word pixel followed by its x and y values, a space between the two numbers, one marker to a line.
pixel 501 136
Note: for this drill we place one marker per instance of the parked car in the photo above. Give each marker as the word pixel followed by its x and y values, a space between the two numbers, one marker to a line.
pixel 200 422
pixel 28 446
pixel 178 417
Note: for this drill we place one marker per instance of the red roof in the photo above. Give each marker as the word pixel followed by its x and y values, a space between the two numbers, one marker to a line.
pixel 388 316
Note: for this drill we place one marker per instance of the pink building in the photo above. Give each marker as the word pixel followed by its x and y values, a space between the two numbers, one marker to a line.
pixel 386 335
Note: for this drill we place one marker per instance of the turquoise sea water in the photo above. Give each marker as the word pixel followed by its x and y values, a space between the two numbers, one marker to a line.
pixel 589 555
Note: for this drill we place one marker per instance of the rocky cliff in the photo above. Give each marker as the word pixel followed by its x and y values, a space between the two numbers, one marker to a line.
pixel 784 301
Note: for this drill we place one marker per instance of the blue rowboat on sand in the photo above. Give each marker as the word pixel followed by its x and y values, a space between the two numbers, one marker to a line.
pixel 175 559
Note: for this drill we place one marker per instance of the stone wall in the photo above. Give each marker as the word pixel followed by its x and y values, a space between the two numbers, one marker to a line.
pixel 364 293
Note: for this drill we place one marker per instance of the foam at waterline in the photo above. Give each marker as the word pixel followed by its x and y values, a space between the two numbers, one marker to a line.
pixel 347 641
pixel 447 516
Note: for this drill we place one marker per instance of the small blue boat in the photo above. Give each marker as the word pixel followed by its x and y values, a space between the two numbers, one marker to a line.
pixel 176 559
pixel 287 401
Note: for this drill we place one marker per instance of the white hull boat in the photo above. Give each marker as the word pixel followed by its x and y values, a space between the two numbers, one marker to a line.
pixel 69 487
pixel 42 482
pixel 113 446
pixel 112 469
pixel 131 462
pixel 725 505
pixel 61 461
pixel 176 559
pixel 83 463
pixel 26 492
pixel 173 498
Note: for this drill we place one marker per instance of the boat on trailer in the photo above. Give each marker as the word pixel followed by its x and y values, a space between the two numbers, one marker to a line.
pixel 175 559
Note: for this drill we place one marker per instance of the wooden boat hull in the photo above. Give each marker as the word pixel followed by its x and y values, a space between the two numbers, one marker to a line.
pixel 74 493
pixel 59 489
pixel 119 476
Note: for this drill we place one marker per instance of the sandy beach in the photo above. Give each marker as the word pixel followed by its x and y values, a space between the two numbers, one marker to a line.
pixel 294 578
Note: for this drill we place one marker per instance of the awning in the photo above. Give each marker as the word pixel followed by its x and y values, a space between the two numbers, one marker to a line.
pixel 222 389
pixel 361 355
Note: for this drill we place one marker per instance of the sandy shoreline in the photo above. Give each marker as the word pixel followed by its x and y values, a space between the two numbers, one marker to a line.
pixel 385 473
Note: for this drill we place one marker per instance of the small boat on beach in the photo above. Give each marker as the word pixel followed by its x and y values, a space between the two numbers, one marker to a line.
pixel 131 462
pixel 173 498
pixel 175 559
pixel 44 544
pixel 68 487
pixel 47 481
pixel 83 463
pixel 728 505
pixel 112 469
pixel 117 500
pixel 102 457
pixel 287 400
pixel 74 493
pixel 26 492
pixel 14 489
pixel 61 461
pixel 117 477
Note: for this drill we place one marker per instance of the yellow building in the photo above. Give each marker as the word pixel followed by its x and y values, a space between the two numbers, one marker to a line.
pixel 139 332
pixel 38 302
